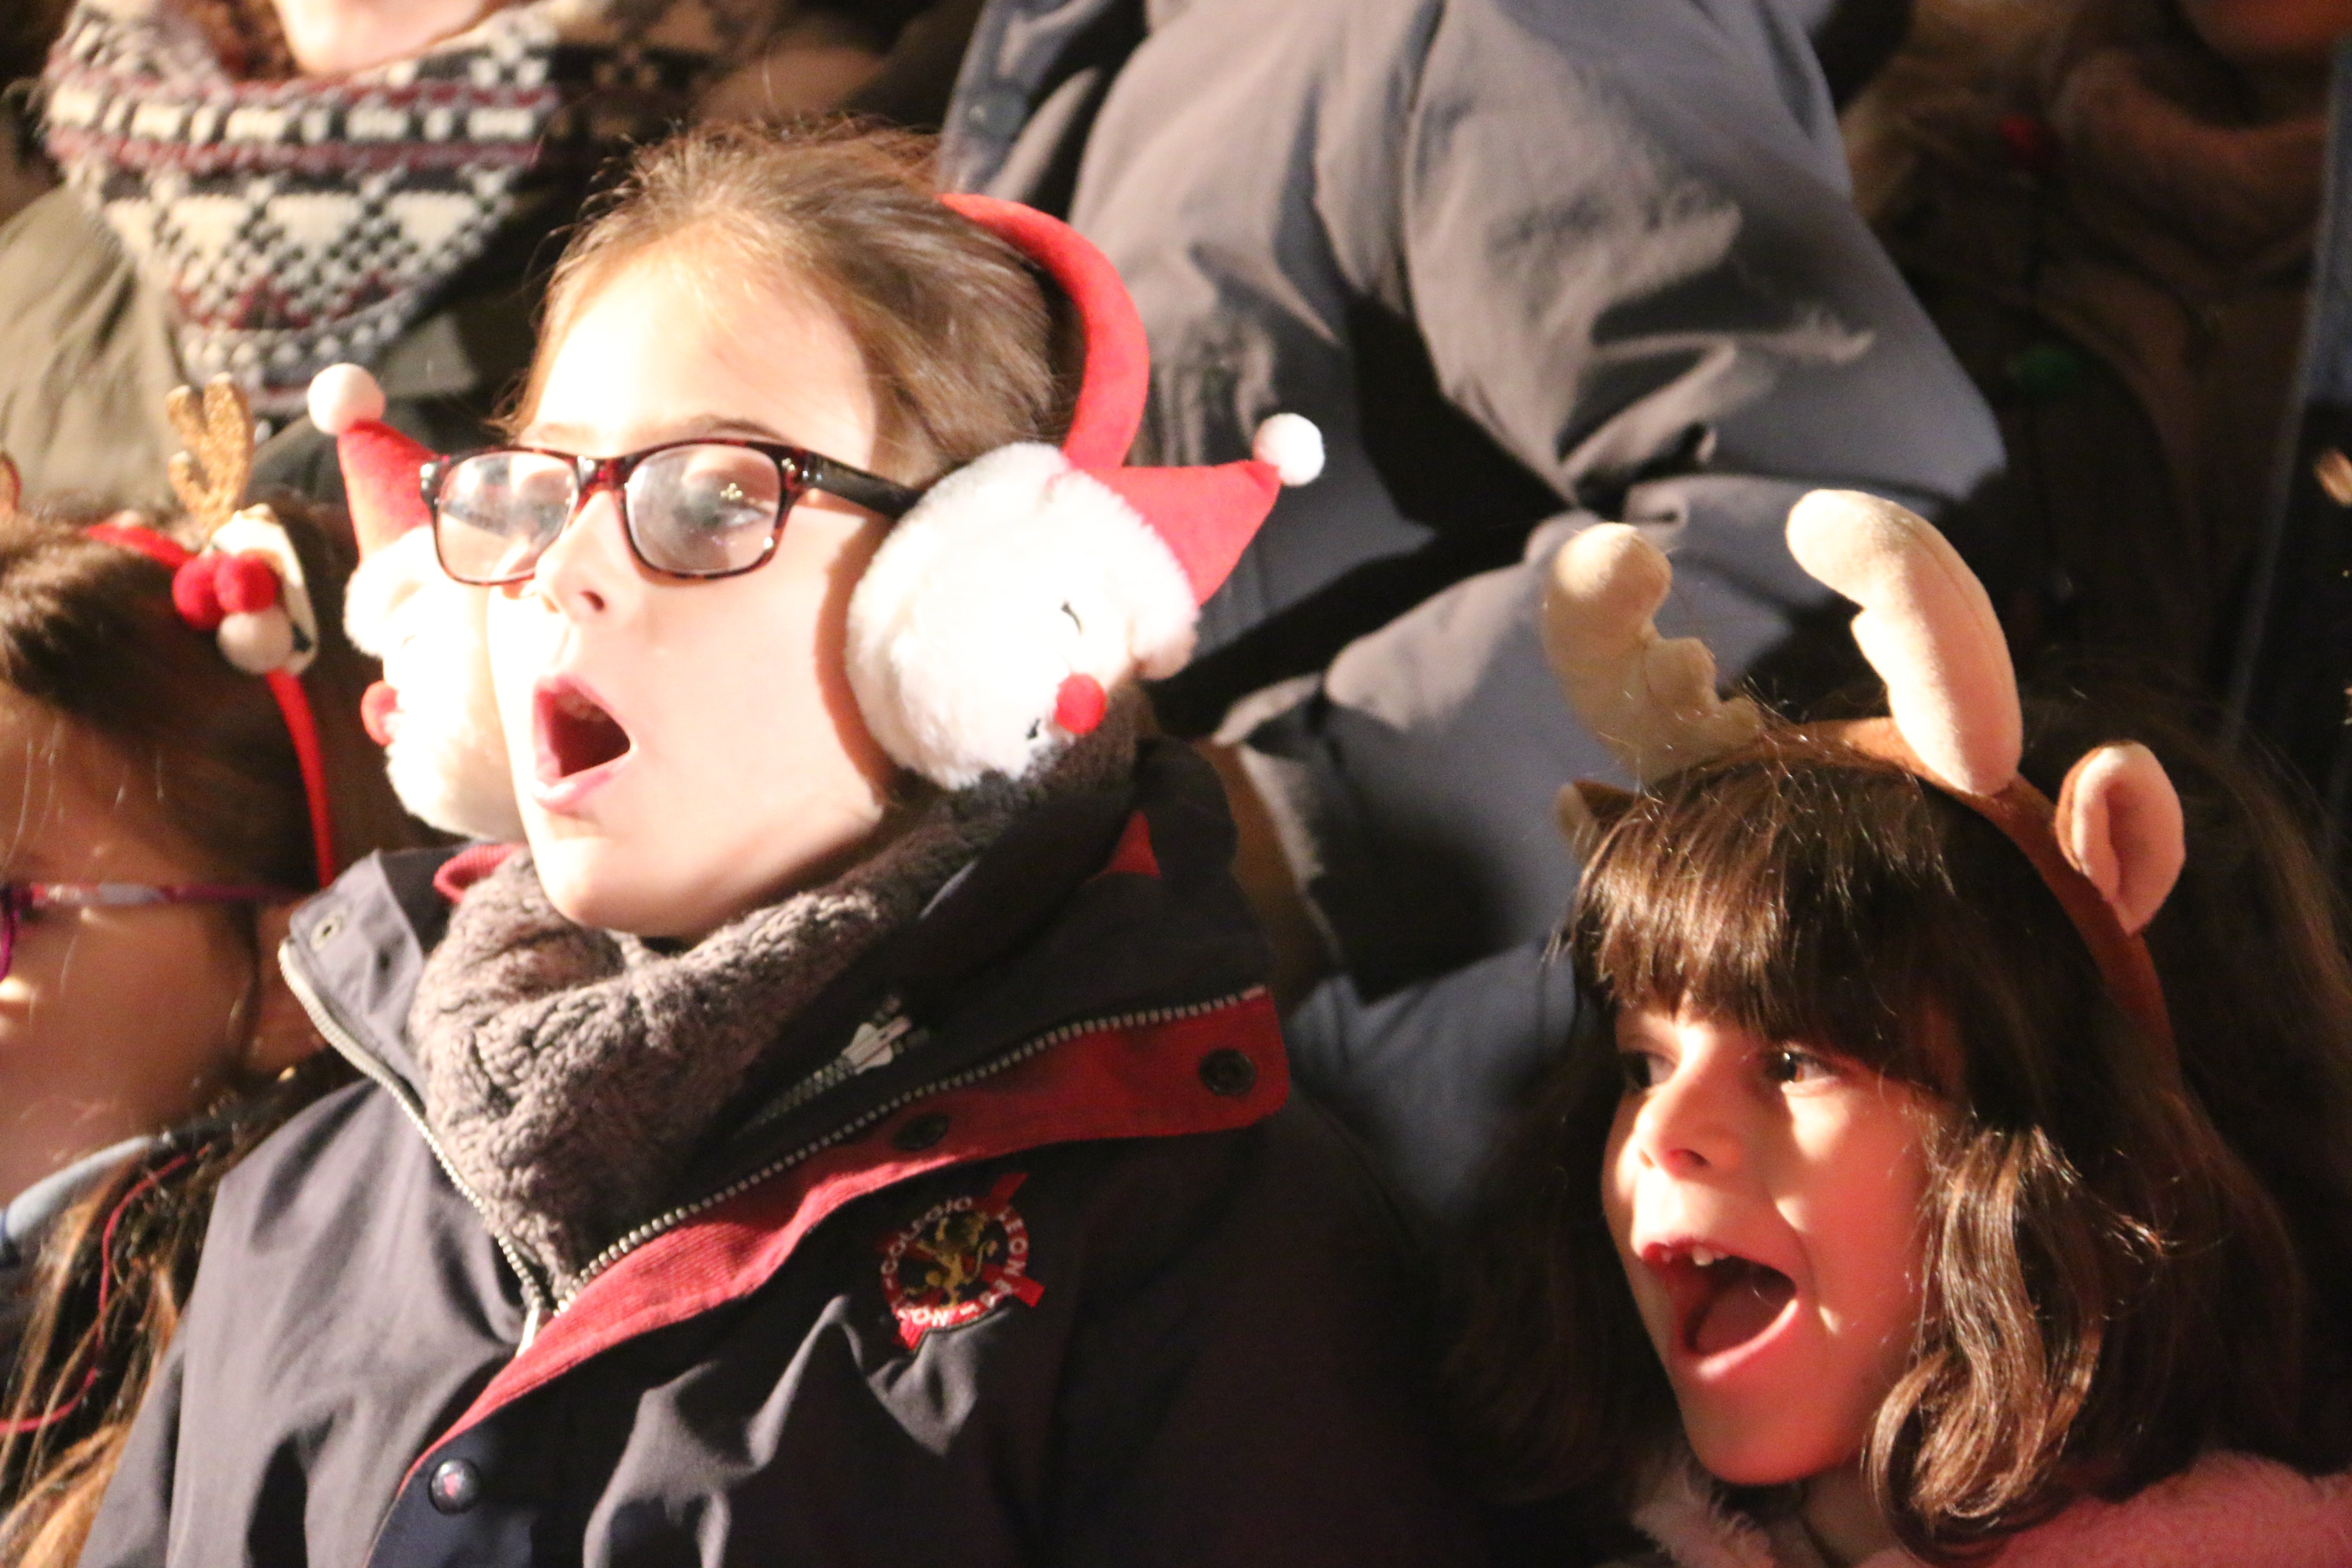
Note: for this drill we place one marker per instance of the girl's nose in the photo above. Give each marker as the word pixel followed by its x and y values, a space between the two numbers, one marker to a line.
pixel 1689 1125
pixel 589 564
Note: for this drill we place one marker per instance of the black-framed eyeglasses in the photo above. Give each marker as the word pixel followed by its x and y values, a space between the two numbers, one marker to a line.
pixel 709 507
pixel 18 899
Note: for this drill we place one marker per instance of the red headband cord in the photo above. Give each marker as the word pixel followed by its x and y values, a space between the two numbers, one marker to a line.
pixel 293 702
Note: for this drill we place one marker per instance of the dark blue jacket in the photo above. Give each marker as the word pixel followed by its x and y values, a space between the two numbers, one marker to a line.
pixel 1066 1283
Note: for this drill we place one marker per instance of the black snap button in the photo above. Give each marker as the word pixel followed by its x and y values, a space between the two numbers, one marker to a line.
pixel 456 1486
pixel 920 1132
pixel 1228 1073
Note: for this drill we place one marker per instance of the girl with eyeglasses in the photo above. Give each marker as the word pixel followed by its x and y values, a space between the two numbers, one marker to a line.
pixel 852 1126
pixel 160 829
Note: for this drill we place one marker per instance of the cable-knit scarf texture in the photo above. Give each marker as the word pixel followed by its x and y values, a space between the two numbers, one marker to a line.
pixel 295 222
pixel 570 1074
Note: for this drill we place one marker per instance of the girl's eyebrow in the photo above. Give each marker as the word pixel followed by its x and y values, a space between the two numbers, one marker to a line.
pixel 571 437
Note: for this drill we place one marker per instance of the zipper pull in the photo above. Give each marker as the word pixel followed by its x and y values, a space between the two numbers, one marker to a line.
pixel 877 1040
pixel 530 1324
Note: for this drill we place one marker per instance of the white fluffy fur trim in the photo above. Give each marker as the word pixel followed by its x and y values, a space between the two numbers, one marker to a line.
pixel 447 759
pixel 1015 572
pixel 1683 1515
pixel 1291 445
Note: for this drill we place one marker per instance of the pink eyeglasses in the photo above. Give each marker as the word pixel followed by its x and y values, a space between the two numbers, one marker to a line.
pixel 18 899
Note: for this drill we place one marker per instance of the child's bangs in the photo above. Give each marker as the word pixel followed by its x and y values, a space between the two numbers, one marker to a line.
pixel 1797 889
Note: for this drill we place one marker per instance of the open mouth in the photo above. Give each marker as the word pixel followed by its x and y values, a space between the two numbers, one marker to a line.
pixel 1721 1301
pixel 575 733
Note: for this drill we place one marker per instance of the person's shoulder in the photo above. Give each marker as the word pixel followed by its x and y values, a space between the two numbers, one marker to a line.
pixel 354 1139
pixel 1291 1194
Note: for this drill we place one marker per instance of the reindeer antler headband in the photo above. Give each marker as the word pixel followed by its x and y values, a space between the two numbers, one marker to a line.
pixel 245 586
pixel 2110 849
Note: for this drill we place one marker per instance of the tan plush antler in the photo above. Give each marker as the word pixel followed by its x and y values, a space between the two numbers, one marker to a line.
pixel 1929 629
pixel 210 476
pixel 1651 700
pixel 1926 626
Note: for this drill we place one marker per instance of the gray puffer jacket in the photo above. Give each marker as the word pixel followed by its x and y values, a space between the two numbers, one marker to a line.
pixel 1529 264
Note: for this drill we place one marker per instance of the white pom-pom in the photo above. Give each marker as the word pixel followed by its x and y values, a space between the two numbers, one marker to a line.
pixel 259 642
pixel 1291 445
pixel 341 396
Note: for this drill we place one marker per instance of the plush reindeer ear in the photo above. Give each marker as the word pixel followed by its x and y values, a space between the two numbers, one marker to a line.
pixel 1926 626
pixel 2118 822
pixel 11 486
pixel 1588 810
pixel 1653 701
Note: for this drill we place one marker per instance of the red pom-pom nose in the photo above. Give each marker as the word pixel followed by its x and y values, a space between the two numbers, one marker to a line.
pixel 378 703
pixel 195 593
pixel 248 582
pixel 1078 705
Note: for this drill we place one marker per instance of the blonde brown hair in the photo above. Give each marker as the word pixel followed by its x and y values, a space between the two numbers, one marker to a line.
pixel 956 333
pixel 2086 1326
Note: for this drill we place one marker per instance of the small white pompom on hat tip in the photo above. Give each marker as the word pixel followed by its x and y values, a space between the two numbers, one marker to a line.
pixel 341 396
pixel 1291 445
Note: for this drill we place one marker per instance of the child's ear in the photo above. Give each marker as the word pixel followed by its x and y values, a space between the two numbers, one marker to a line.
pixel 282 1032
pixel 1588 811
pixel 2120 823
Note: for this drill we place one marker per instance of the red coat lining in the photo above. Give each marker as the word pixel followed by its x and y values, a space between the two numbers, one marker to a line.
pixel 1139 1082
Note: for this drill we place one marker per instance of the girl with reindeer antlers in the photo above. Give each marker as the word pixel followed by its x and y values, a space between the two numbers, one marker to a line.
pixel 180 762
pixel 1946 1174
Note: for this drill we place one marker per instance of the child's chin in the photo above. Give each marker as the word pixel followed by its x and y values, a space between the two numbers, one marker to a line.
pixel 591 883
pixel 1757 1453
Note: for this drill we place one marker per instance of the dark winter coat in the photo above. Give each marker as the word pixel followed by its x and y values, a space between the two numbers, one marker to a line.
pixel 1064 1282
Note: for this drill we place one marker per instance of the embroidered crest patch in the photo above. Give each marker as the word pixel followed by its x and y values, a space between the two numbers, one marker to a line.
pixel 958 1261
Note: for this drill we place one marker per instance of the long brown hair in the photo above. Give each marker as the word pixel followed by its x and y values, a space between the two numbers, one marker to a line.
pixel 88 628
pixel 2087 1326
pixel 958 335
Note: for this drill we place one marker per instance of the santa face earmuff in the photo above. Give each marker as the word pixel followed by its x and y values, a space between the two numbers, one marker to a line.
pixel 1000 611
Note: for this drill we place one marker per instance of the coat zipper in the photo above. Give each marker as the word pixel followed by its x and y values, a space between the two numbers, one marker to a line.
pixel 657 1227
pixel 537 1300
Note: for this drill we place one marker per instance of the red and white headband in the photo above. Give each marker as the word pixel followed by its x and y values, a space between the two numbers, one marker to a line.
pixel 246 588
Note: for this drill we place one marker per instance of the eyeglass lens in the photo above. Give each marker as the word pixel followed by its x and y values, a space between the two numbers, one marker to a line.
pixel 700 509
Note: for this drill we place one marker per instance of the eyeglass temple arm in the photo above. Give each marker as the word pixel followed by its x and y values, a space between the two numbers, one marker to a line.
pixel 871 492
pixel 97 895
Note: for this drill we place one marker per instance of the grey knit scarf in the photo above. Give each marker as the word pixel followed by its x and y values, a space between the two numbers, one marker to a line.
pixel 570 1074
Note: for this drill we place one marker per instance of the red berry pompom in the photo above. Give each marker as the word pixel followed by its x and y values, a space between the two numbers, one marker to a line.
pixel 248 582
pixel 195 593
